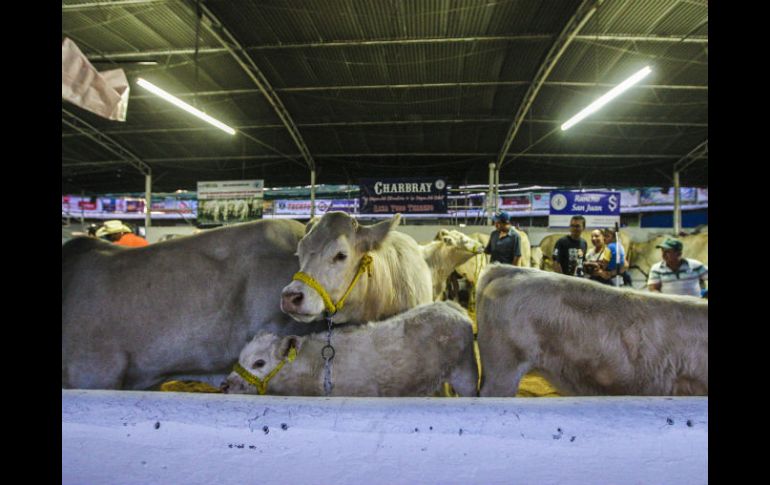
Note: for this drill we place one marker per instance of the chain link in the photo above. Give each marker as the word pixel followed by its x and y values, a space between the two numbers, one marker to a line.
pixel 327 353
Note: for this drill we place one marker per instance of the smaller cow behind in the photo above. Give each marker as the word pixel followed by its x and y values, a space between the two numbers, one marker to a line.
pixel 448 250
pixel 588 338
pixel 411 354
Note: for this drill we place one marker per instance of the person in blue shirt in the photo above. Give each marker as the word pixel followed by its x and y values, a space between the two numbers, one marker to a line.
pixel 504 244
pixel 612 267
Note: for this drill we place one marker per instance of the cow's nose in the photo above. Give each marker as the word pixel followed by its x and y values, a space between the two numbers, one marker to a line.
pixel 291 300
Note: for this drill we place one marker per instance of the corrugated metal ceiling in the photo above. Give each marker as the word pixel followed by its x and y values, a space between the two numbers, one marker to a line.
pixel 396 88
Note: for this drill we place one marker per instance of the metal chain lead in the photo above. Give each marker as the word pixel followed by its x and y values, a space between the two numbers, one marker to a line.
pixel 327 352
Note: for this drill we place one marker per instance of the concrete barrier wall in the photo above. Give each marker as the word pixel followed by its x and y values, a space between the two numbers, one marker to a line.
pixel 127 437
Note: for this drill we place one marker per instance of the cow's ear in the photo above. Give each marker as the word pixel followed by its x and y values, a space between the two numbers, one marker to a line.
pixel 442 233
pixel 369 238
pixel 311 223
pixel 287 343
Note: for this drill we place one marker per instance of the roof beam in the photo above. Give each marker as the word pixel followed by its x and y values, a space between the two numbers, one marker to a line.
pixel 104 141
pixel 109 4
pixel 585 11
pixel 695 154
pixel 603 38
pixel 228 41
pixel 617 156
pixel 265 126
pixel 301 89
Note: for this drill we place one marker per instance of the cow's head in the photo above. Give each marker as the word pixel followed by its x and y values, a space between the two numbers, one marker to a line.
pixel 260 360
pixel 460 241
pixel 330 253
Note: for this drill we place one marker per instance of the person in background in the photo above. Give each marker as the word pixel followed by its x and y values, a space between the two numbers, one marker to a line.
pixel 597 259
pixel 504 244
pixel 118 233
pixel 92 228
pixel 610 241
pixel 675 275
pixel 569 251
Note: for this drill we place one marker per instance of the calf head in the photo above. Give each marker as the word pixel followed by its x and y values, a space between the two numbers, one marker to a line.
pixel 259 358
pixel 460 241
pixel 330 253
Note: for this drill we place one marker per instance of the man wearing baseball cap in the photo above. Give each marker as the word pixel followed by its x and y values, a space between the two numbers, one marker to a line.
pixel 504 244
pixel 675 275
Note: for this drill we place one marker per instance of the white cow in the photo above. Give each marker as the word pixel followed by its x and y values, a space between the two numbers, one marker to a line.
pixel 132 317
pixel 448 250
pixel 410 354
pixel 587 338
pixel 330 257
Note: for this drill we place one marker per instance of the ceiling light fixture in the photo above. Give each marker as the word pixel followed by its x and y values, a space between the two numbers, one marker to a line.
pixel 611 94
pixel 181 104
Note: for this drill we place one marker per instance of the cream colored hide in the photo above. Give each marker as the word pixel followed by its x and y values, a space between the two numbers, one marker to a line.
pixel 449 249
pixel 549 241
pixel 587 338
pixel 643 255
pixel 331 253
pixel 473 267
pixel 411 354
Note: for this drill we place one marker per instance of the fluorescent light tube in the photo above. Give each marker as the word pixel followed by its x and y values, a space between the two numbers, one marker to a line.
pixel 611 94
pixel 181 104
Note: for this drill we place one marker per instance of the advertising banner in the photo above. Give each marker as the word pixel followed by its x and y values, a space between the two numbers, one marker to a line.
pixel 322 206
pixel 657 196
pixel 541 201
pixel 521 202
pixel 629 198
pixel 424 195
pixel 600 208
pixel 230 201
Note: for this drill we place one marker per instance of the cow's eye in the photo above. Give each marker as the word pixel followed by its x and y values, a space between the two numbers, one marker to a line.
pixel 340 256
pixel 258 364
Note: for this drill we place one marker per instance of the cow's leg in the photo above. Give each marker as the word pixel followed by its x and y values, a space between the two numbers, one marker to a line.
pixel 464 380
pixel 501 378
pixel 98 371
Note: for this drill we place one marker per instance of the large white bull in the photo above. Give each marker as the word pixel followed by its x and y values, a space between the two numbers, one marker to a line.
pixel 410 354
pixel 587 338
pixel 133 317
pixel 363 273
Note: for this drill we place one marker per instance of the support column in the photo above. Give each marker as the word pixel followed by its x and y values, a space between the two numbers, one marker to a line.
pixel 147 202
pixel 677 205
pixel 312 193
pixel 490 193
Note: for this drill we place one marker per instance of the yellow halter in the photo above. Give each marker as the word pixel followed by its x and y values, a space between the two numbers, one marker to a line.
pixel 261 384
pixel 331 307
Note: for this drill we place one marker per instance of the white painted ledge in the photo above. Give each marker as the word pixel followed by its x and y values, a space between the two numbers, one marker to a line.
pixel 111 437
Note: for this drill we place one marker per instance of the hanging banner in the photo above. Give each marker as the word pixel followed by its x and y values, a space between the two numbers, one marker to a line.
pixel 322 206
pixel 422 195
pixel 600 208
pixel 658 196
pixel 541 201
pixel 521 202
pixel 230 201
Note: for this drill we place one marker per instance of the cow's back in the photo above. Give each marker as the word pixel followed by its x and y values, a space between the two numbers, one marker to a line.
pixel 181 306
pixel 594 339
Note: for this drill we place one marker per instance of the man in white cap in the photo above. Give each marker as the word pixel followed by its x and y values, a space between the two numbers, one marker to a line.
pixel 118 233
pixel 675 275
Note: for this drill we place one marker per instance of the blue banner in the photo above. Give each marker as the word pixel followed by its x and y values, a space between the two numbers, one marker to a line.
pixel 600 208
pixel 424 195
